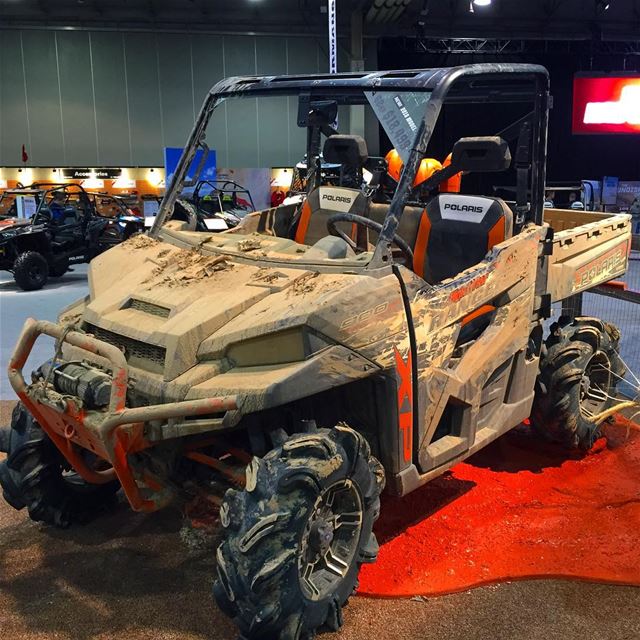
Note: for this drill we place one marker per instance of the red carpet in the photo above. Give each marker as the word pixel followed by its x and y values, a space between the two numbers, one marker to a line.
pixel 518 509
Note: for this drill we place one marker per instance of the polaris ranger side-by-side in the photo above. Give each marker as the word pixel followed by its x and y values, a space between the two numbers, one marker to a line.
pixel 292 366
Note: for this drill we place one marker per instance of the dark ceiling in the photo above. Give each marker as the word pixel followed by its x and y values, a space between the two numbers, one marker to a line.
pixel 536 19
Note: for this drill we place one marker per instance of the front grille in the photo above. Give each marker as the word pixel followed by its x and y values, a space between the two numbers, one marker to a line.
pixel 149 307
pixel 138 353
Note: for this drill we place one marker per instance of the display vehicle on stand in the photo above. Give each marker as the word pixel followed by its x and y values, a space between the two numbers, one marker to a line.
pixel 292 367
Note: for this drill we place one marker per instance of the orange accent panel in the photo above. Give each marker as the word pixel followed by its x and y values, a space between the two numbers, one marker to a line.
pixel 498 233
pixel 485 308
pixel 420 248
pixel 405 393
pixel 303 224
pixel 354 231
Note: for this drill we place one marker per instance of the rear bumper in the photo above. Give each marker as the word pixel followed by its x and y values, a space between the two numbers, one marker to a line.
pixel 112 434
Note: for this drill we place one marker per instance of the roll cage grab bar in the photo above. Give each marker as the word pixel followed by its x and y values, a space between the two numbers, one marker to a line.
pixel 488 83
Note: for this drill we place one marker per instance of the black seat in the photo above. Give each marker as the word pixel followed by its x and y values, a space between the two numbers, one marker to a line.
pixel 321 204
pixel 325 201
pixel 456 232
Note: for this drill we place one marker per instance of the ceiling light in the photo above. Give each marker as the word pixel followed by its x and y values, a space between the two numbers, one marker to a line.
pixel 482 3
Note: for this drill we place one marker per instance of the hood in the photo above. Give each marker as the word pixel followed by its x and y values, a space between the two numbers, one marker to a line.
pixel 12 223
pixel 171 308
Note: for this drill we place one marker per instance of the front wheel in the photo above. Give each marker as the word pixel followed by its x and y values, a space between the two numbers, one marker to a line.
pixel 31 271
pixel 35 476
pixel 297 535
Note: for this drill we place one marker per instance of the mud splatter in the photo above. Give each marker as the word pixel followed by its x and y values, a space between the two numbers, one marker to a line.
pixel 304 284
pixel 186 267
pixel 249 244
pixel 141 242
pixel 267 275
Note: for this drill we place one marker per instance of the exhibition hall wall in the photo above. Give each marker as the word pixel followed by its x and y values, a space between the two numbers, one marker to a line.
pixel 100 98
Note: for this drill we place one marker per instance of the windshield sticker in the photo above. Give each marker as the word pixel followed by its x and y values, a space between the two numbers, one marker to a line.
pixel 400 115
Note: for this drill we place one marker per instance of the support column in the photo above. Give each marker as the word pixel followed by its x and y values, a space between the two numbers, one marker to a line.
pixel 356 112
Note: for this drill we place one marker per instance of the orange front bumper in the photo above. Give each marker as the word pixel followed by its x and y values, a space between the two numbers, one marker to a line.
pixel 112 434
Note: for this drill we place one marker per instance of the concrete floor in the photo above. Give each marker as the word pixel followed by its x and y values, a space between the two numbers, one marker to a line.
pixel 16 306
pixel 129 575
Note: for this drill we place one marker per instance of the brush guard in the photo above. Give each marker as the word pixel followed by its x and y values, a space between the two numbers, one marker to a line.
pixel 113 434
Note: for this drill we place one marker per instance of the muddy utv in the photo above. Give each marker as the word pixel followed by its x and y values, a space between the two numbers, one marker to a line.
pixel 289 368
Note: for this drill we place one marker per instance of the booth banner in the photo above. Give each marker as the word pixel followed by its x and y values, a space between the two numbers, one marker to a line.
pixel 172 156
pixel 256 181
pixel 628 193
pixel 26 206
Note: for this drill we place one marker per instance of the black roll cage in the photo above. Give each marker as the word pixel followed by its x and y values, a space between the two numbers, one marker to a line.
pixel 480 83
pixel 219 188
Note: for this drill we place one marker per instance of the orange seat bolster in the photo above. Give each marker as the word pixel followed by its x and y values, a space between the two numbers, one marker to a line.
pixel 303 223
pixel 497 233
pixel 420 247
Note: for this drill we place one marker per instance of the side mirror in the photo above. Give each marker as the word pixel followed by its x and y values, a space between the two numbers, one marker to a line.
pixel 490 153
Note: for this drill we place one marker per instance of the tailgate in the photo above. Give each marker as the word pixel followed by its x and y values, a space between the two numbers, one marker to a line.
pixel 587 255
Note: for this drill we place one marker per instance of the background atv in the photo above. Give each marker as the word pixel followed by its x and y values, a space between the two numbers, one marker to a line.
pixel 39 248
pixel 213 205
pixel 289 368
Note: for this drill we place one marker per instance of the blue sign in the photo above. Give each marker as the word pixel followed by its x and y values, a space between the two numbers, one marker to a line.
pixel 172 156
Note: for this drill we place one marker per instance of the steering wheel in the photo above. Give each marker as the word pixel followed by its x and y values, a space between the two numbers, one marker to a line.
pixel 43 217
pixel 370 224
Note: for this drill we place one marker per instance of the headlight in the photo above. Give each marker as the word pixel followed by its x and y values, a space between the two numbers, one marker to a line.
pixel 282 347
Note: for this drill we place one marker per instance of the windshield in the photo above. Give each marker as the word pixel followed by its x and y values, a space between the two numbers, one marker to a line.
pixel 367 155
pixel 331 147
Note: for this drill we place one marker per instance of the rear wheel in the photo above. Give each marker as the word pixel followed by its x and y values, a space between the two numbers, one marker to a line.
pixel 35 476
pixel 578 374
pixel 30 271
pixel 298 534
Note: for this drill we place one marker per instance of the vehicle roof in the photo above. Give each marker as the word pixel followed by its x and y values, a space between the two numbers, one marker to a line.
pixel 495 82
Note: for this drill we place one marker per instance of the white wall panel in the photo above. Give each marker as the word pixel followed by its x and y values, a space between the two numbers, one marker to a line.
pixel 43 98
pixel 85 98
pixel 14 130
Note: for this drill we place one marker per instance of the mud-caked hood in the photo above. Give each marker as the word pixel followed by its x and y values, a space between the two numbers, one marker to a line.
pixel 178 306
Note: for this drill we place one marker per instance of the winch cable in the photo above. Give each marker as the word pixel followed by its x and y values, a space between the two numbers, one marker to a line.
pixel 621 404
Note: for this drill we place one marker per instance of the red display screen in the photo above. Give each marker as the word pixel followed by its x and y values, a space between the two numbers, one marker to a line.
pixel 606 104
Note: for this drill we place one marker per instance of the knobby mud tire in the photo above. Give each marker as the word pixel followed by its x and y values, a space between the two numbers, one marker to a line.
pixel 576 355
pixel 269 528
pixel 34 476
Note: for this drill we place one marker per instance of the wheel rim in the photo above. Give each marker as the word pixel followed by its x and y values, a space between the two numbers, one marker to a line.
pixel 330 539
pixel 595 384
pixel 35 273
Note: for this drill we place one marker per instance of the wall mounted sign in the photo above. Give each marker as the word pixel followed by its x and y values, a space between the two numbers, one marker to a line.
pixel 109 173
pixel 606 104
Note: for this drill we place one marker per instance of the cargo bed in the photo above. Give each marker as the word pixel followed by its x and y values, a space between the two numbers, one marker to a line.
pixel 589 248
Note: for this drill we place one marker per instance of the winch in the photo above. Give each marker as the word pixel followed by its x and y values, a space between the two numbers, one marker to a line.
pixel 89 384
